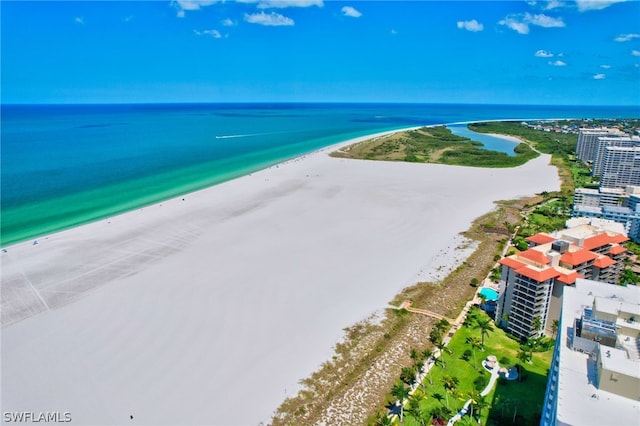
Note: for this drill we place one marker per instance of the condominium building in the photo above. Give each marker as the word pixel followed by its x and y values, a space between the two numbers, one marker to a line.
pixel 595 371
pixel 532 281
pixel 620 166
pixel 616 204
pixel 603 196
pixel 604 142
pixel 588 142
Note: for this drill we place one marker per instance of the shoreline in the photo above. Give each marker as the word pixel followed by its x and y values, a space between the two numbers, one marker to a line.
pixel 240 289
pixel 222 180
pixel 336 146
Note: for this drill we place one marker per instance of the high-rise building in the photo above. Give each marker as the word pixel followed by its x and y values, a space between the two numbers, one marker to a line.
pixel 595 371
pixel 620 166
pixel 588 142
pixel 532 281
pixel 604 142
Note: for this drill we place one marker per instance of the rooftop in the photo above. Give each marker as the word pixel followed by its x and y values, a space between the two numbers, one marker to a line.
pixel 604 262
pixel 535 256
pixel 541 238
pixel 596 241
pixel 568 278
pixel 538 274
pixel 617 249
pixel 576 376
pixel 578 257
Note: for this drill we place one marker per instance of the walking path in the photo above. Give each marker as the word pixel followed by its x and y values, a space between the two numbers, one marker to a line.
pixel 407 306
pixel 456 324
pixel 492 381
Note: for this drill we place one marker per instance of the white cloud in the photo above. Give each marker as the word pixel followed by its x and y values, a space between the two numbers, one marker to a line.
pixel 127 18
pixel 183 5
pixel 471 25
pixel 558 63
pixel 212 33
pixel 520 22
pixel 599 77
pixel 281 4
pixel 79 20
pixel 626 37
pixel 543 54
pixel 553 4
pixel 351 12
pixel 394 32
pixel 635 52
pixel 269 19
pixel 544 21
pixel 547 5
pixel 228 23
pixel 515 24
pixel 605 66
pixel 585 5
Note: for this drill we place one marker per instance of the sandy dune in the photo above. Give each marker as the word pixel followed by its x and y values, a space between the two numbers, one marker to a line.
pixel 208 310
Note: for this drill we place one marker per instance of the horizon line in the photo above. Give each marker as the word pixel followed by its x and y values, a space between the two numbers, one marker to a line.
pixel 308 103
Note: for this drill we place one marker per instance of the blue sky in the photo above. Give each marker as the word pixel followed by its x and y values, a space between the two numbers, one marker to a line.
pixel 523 52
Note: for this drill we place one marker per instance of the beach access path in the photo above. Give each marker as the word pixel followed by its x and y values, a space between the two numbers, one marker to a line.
pixel 210 307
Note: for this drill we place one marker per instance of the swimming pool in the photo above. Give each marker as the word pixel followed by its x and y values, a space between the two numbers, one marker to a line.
pixel 489 293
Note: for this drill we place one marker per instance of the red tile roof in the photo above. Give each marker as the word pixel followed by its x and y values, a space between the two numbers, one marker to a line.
pixel 618 238
pixel 535 256
pixel 578 257
pixel 617 250
pixel 538 275
pixel 569 278
pixel 511 263
pixel 602 240
pixel 540 238
pixel 596 241
pixel 604 261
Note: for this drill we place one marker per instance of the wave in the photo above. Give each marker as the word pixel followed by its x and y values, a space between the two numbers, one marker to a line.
pixel 239 136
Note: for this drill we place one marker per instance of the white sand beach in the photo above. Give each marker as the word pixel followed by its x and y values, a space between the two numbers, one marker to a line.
pixel 209 308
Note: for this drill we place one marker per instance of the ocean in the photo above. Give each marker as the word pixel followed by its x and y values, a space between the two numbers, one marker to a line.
pixel 65 165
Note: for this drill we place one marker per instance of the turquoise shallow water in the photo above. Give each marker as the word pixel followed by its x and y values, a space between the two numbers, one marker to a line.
pixel 64 165
pixel 489 142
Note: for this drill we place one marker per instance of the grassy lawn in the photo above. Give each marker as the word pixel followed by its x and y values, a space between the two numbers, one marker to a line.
pixel 522 398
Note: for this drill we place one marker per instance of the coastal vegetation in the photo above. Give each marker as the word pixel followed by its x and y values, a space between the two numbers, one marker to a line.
pixel 459 376
pixel 435 145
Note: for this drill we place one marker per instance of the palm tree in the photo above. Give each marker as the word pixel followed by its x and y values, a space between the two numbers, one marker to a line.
pixel 554 327
pixel 474 342
pixel 383 419
pixel 443 325
pixel 401 392
pixel 438 397
pixel 414 354
pixel 481 403
pixel 537 325
pixel 449 383
pixel 441 346
pixel 419 413
pixel 439 412
pixel 484 325
pixel 523 355
pixel 426 354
